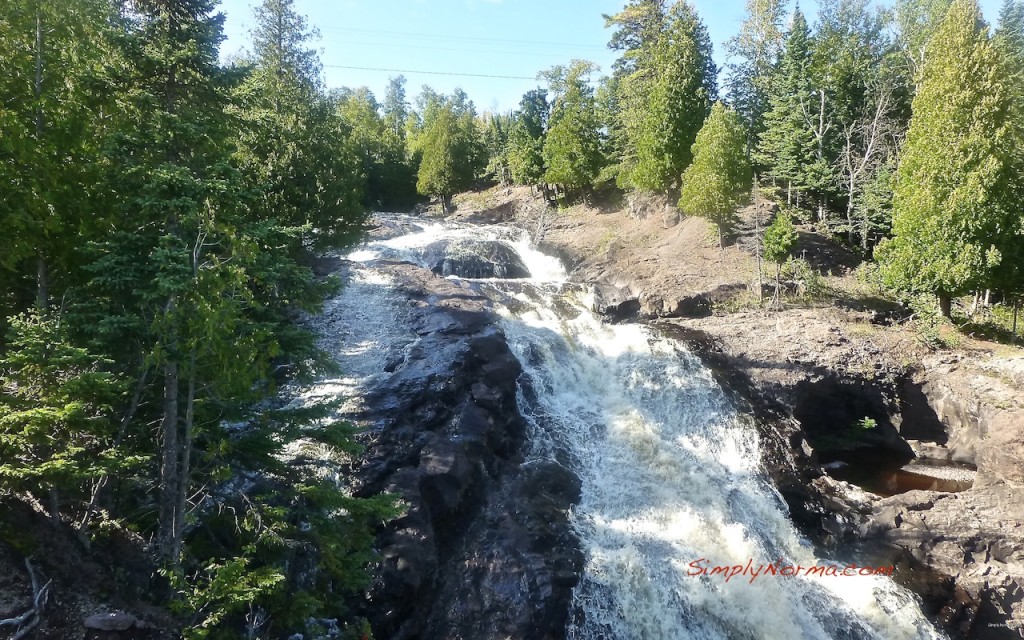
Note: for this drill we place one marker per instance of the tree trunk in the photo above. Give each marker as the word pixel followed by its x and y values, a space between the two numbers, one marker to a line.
pixel 1016 308
pixel 170 456
pixel 757 241
pixel 42 277
pixel 42 285
pixel 54 498
pixel 945 305
pixel 778 282
pixel 186 458
pixel 721 238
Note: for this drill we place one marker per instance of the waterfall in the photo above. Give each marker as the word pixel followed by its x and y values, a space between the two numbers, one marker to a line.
pixel 671 480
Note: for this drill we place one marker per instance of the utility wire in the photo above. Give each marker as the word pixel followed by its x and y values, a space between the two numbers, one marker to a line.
pixel 465 38
pixel 428 47
pixel 432 73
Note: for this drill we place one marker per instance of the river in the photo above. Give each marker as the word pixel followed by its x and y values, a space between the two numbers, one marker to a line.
pixel 672 484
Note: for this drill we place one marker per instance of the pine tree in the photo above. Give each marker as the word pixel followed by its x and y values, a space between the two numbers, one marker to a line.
pixel 955 210
pixel 718 181
pixel 293 140
pixel 779 239
pixel 168 276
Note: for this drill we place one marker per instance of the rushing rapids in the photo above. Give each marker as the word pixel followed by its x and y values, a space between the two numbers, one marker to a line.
pixel 670 475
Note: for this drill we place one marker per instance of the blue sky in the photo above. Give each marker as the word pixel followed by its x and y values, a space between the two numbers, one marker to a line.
pixel 514 38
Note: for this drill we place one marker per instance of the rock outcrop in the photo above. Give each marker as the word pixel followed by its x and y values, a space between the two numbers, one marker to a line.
pixel 475 259
pixel 974 413
pixel 484 549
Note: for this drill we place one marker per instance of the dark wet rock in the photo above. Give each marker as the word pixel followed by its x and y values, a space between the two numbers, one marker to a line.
pixel 475 259
pixel 484 549
pixel 615 303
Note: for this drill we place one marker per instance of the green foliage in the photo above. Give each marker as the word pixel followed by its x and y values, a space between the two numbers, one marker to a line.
pixel 449 144
pixel 292 141
pixel 525 152
pixel 719 179
pixel 928 321
pixel 379 144
pixel 572 150
pixel 809 284
pixel 786 145
pixel 957 189
pixel 866 424
pixel 779 239
pixel 666 96
pixel 755 50
pixel 57 404
pixel 170 204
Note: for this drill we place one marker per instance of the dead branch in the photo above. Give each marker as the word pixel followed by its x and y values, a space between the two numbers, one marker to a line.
pixel 27 621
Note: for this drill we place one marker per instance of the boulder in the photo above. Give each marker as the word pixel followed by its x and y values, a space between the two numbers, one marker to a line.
pixel 111 621
pixel 475 259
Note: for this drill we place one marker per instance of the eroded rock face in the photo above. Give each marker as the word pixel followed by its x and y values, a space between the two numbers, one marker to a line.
pixel 976 539
pixel 475 259
pixel 485 549
pixel 972 413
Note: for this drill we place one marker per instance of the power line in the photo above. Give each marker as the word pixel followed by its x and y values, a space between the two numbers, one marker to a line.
pixel 430 36
pixel 432 73
pixel 428 47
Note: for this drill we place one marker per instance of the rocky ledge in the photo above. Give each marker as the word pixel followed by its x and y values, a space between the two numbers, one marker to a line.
pixel 484 548
pixel 840 389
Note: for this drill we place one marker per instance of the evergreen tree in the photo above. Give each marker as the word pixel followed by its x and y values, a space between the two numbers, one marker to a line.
pixel 718 181
pixel 383 166
pixel 786 147
pixel 779 239
pixel 669 96
pixel 955 209
pixel 449 145
pixel 755 50
pixel 526 138
pixel 572 149
pixel 293 140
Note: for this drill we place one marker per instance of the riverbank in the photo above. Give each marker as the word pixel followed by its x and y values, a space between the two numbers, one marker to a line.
pixel 845 387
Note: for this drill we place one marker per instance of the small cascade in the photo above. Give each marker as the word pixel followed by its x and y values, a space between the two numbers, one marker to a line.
pixel 672 487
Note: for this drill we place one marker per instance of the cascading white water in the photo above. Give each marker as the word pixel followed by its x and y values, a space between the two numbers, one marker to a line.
pixel 670 471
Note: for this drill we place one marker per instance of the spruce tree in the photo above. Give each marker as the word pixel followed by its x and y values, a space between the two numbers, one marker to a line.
pixel 786 147
pixel 718 181
pixel 955 206
pixel 779 239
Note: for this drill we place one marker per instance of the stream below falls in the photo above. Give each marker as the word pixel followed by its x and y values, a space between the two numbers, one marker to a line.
pixel 671 480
